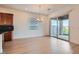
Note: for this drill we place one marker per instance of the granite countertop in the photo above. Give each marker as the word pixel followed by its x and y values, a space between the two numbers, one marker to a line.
pixel 5 28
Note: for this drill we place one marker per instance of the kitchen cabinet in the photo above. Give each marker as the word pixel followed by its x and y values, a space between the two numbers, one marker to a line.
pixel 6 19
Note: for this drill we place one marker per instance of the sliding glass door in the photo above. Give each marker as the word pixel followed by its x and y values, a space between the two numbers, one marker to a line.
pixel 54 28
pixel 63 29
pixel 60 28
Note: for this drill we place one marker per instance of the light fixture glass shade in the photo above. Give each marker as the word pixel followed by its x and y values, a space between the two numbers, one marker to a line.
pixel 38 19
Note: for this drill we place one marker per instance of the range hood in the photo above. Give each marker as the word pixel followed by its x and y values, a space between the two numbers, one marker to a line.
pixel 6 28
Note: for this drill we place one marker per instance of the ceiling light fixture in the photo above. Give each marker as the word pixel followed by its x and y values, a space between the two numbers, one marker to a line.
pixel 38 18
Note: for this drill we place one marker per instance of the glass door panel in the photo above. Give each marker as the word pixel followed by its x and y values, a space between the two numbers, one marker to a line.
pixel 54 28
pixel 64 29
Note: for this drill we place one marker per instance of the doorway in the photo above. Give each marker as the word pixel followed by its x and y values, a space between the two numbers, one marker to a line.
pixel 59 27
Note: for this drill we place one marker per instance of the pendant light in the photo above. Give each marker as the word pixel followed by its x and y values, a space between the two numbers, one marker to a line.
pixel 38 18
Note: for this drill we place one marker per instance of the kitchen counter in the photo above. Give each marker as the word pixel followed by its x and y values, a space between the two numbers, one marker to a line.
pixel 3 29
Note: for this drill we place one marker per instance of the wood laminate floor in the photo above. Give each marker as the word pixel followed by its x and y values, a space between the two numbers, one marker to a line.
pixel 40 45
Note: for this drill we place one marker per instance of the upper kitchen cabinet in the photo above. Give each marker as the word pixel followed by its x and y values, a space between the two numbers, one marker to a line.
pixel 6 19
pixel 1 19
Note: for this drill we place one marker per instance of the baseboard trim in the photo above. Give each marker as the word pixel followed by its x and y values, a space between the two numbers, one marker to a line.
pixel 46 36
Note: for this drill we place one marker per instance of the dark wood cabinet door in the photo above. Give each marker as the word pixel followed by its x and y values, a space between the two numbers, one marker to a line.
pixel 8 36
pixel 1 19
pixel 8 19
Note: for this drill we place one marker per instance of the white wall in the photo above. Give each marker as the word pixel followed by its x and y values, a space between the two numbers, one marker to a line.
pixel 74 25
pixel 21 27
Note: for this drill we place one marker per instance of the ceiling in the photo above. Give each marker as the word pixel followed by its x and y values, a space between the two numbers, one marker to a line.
pixel 37 8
